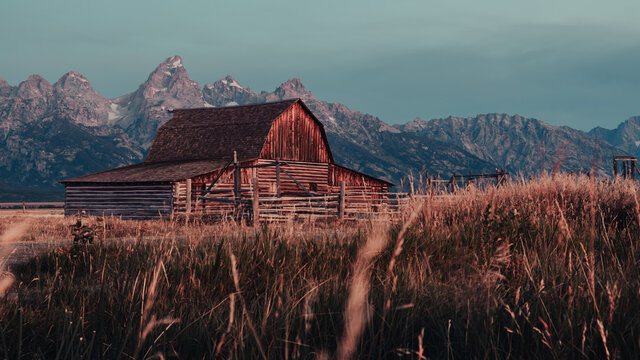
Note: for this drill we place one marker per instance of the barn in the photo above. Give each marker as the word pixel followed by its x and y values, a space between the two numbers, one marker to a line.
pixel 221 160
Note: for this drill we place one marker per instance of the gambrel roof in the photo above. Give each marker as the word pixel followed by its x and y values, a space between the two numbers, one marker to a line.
pixel 215 133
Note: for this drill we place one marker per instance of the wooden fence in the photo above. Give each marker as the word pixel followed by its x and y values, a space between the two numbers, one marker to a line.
pixel 430 184
pixel 231 195
pixel 250 204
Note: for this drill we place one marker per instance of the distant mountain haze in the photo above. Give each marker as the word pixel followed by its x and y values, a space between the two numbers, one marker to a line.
pixel 51 132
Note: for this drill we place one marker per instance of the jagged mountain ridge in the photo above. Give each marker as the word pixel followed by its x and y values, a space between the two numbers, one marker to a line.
pixel 626 136
pixel 50 132
pixel 519 144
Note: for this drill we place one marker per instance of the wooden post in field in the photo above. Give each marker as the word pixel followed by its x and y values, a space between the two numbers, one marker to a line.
pixel 256 202
pixel 237 183
pixel 277 177
pixel 454 182
pixel 411 189
pixel 342 201
pixel 188 203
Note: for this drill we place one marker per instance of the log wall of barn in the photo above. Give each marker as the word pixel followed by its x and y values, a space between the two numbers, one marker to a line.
pixel 313 176
pixel 224 182
pixel 129 201
pixel 295 135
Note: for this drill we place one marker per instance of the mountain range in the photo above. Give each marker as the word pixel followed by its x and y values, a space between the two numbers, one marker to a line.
pixel 49 132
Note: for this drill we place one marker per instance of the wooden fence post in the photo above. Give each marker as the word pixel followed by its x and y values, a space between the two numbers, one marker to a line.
pixel 256 202
pixel 277 177
pixel 342 201
pixel 411 189
pixel 236 182
pixel 188 203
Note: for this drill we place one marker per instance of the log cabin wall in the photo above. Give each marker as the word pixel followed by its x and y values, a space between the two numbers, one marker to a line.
pixel 225 182
pixel 313 176
pixel 296 135
pixel 129 201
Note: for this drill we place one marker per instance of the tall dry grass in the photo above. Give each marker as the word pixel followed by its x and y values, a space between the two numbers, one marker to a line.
pixel 546 268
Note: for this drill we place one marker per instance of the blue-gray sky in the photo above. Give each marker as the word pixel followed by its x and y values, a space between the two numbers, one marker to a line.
pixel 571 62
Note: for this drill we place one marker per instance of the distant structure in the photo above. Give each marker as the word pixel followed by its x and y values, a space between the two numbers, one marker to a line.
pixel 628 166
pixel 204 160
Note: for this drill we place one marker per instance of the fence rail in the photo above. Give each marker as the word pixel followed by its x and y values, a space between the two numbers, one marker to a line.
pixel 351 204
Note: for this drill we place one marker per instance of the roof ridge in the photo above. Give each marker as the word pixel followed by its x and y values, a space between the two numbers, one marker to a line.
pixel 237 106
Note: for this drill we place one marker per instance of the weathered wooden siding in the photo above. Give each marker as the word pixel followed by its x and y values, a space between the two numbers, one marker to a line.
pixel 313 176
pixel 310 175
pixel 363 194
pixel 137 201
pixel 129 201
pixel 224 183
pixel 354 181
pixel 295 135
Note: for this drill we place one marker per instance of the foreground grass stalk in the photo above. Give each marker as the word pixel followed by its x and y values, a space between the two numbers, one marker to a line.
pixel 236 282
pixel 149 322
pixel 355 313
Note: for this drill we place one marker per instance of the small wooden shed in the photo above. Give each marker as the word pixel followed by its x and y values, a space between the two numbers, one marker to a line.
pixel 204 160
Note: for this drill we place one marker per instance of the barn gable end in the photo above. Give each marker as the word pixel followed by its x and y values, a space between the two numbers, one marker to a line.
pixel 297 135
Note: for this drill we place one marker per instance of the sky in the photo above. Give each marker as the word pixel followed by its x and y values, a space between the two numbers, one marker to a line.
pixel 571 62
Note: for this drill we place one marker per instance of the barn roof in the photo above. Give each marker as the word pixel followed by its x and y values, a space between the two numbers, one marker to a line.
pixel 214 133
pixel 151 172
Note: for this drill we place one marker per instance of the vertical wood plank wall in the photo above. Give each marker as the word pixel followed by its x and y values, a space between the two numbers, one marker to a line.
pixel 295 135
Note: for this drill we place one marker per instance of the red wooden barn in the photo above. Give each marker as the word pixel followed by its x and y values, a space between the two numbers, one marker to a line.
pixel 190 166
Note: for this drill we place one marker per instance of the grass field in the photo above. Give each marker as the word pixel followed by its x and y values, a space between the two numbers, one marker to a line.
pixel 547 268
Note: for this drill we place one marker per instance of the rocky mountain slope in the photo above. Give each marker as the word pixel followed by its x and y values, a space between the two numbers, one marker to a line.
pixel 51 132
pixel 626 136
pixel 519 144
pixel 143 111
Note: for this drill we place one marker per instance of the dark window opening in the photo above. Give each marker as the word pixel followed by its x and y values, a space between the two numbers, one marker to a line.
pixel 313 187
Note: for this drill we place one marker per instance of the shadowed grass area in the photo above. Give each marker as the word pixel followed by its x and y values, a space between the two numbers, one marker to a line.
pixel 543 269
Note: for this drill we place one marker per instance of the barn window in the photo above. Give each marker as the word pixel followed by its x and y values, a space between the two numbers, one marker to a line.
pixel 313 187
